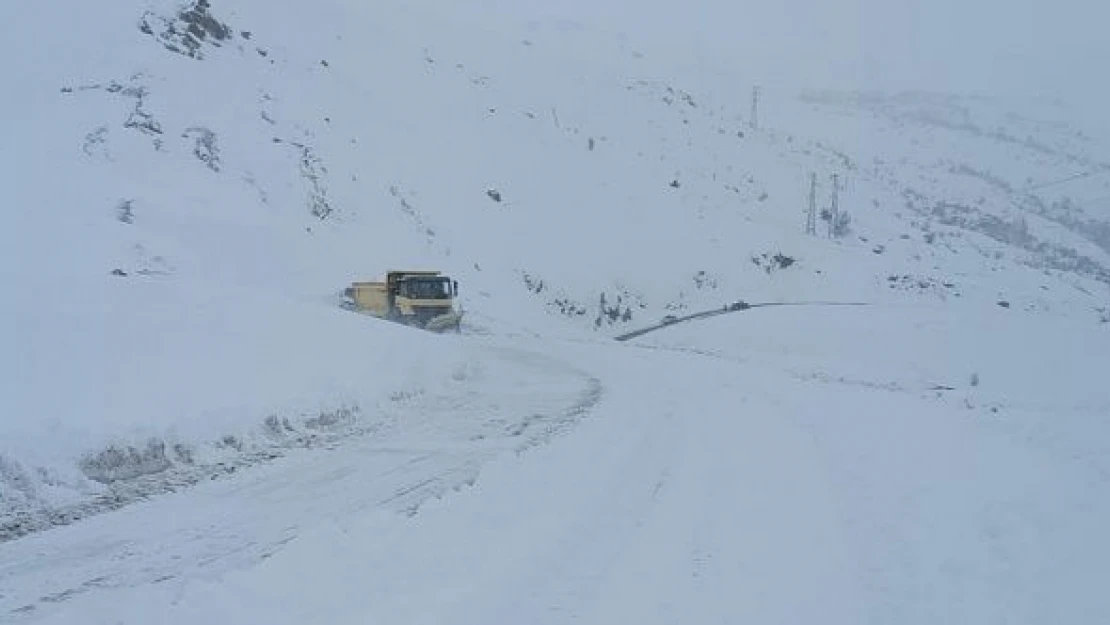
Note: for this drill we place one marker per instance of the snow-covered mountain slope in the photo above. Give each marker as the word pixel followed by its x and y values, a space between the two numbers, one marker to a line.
pixel 191 186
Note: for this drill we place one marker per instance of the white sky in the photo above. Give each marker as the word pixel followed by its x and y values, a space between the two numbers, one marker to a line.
pixel 1031 47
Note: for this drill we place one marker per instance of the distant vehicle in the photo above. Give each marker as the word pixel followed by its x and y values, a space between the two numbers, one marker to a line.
pixel 669 319
pixel 739 306
pixel 424 299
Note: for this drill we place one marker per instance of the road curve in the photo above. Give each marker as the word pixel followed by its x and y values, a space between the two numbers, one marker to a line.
pixel 724 310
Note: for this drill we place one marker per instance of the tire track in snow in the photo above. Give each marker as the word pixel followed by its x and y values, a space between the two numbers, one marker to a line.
pixel 428 447
pixel 683 501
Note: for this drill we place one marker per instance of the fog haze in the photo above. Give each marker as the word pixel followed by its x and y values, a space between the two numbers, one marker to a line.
pixel 1032 48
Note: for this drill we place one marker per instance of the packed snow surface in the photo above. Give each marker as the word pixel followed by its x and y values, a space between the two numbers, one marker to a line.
pixel 697 481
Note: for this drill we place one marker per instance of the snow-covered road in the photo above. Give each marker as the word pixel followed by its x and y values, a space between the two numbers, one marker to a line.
pixel 421 447
pixel 699 489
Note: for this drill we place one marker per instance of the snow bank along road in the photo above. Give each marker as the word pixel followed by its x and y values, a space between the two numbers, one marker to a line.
pixel 425 445
pixel 699 489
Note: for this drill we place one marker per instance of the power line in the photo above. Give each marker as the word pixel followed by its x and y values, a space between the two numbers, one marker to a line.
pixel 755 108
pixel 811 213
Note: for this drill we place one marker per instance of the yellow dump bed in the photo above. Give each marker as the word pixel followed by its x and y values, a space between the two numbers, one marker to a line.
pixel 373 297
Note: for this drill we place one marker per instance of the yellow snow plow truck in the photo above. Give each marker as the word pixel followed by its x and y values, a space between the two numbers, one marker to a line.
pixel 423 299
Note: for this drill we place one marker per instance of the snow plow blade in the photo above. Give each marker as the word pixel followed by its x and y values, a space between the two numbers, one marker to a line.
pixel 443 323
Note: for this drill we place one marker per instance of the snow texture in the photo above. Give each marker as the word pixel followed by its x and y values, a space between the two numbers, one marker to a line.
pixel 193 429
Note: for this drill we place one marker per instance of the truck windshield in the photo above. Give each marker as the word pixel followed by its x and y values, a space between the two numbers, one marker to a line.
pixel 427 289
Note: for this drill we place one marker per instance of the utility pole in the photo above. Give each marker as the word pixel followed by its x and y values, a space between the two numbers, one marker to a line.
pixel 834 210
pixel 811 213
pixel 754 120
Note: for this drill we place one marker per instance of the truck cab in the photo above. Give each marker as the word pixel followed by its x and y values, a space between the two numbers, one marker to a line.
pixel 423 287
pixel 421 296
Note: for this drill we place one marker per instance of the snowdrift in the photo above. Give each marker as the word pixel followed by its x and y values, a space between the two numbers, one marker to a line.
pixel 153 376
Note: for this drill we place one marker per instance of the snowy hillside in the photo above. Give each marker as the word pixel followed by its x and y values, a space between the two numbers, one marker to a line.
pixel 192 185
